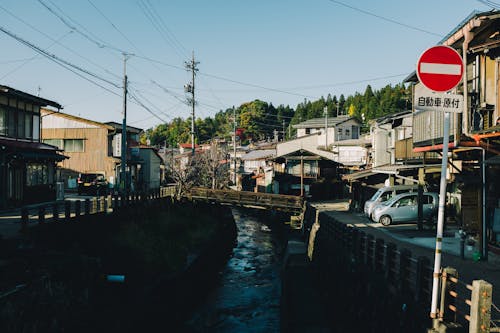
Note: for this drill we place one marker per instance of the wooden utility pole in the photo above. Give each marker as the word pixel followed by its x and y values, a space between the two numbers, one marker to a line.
pixel 325 110
pixel 123 169
pixel 191 66
pixel 234 145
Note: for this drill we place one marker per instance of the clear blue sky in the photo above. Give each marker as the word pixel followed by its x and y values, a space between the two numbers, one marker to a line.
pixel 279 51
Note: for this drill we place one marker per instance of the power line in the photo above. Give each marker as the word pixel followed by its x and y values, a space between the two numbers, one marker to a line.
pixel 489 3
pixel 67 65
pixel 385 18
pixel 137 101
pixel 57 42
pixel 256 86
pixel 156 22
pixel 94 39
pixel 350 82
pixel 112 24
pixel 32 58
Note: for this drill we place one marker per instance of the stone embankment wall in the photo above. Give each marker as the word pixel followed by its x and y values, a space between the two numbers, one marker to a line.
pixel 351 287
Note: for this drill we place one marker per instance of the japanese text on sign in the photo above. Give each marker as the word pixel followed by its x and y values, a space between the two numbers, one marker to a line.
pixel 439 102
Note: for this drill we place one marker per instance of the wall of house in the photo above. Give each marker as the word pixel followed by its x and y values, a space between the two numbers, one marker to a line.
pixel 352 155
pixel 94 158
pixel 150 169
pixel 382 143
pixel 253 165
pixel 344 131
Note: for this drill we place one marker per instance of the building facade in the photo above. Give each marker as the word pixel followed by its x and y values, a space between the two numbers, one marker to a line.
pixel 27 166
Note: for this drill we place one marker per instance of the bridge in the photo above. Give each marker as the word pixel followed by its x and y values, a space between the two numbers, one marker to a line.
pixel 287 203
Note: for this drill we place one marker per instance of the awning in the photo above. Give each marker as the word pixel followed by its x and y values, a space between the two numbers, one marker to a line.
pixel 31 155
pixel 391 169
pixel 29 150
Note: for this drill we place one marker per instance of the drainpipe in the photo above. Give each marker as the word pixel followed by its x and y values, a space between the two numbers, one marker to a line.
pixel 468 36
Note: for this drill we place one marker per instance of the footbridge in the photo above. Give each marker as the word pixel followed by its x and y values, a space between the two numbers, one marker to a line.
pixel 287 203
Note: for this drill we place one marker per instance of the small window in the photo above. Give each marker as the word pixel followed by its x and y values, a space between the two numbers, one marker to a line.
pixel 59 143
pixel 386 196
pixel 427 199
pixel 308 131
pixel 73 145
pixel 3 121
pixel 347 132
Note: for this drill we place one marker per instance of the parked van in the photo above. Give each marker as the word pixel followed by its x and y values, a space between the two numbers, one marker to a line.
pixel 385 193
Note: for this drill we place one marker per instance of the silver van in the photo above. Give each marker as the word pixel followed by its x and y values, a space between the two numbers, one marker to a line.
pixel 385 193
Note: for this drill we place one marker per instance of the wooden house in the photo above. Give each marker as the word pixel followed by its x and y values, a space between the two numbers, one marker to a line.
pixel 27 166
pixel 91 147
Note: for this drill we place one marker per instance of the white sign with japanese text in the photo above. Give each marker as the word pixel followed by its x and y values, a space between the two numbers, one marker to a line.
pixel 430 101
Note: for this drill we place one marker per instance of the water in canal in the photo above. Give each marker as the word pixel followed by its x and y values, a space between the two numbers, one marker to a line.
pixel 246 297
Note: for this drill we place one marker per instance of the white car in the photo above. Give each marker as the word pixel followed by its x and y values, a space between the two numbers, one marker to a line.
pixel 404 208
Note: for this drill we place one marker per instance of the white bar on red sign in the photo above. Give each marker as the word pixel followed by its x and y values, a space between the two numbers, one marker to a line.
pixel 447 69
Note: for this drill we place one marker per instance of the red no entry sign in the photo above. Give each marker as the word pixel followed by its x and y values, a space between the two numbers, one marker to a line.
pixel 440 68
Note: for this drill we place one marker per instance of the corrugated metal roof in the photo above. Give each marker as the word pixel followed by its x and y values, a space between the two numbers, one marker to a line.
pixel 259 154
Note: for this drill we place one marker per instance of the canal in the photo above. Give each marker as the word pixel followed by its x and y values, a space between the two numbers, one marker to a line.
pixel 246 296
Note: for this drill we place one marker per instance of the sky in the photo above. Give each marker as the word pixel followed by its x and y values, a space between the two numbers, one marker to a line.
pixel 279 51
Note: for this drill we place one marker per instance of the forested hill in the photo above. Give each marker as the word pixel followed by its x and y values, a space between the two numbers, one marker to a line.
pixel 259 120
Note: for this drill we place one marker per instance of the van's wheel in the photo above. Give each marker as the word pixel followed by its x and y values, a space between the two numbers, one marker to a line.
pixel 385 220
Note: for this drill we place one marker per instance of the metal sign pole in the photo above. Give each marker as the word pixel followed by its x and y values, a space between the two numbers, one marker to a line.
pixel 440 222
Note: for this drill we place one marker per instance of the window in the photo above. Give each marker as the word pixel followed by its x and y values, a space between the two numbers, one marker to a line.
pixel 427 199
pixel 28 126
pixel 355 132
pixel 11 128
pixel 347 132
pixel 407 201
pixel 3 121
pixel 36 127
pixel 20 124
pixel 59 143
pixel 68 145
pixel 308 131
pixel 73 145
pixel 37 174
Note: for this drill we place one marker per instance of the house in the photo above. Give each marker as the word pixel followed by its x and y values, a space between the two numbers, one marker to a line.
pixel 299 164
pixel 339 128
pixel 475 133
pixel 27 166
pixel 91 147
pixel 257 172
pixel 88 145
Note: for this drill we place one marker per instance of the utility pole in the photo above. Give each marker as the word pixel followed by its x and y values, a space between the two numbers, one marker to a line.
pixel 326 127
pixel 123 174
pixel 283 139
pixel 234 145
pixel 191 66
